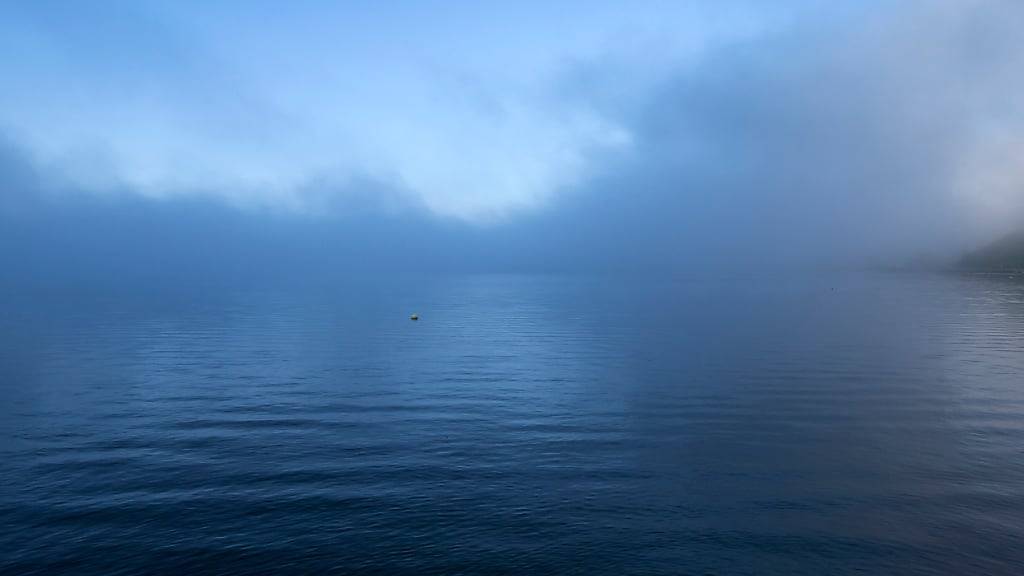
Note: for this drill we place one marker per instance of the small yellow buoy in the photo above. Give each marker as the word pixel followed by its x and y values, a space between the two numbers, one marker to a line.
pixel 414 317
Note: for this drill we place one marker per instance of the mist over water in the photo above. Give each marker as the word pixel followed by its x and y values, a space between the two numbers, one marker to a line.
pixel 643 242
pixel 670 137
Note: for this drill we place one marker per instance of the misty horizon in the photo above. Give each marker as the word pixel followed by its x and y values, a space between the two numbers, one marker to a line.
pixel 680 138
pixel 477 288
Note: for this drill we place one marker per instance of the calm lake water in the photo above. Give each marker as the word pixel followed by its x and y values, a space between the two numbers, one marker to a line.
pixel 524 425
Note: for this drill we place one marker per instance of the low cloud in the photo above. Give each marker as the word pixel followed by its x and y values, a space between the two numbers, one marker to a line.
pixel 840 136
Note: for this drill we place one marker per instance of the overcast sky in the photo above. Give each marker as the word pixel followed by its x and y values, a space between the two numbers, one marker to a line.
pixel 533 135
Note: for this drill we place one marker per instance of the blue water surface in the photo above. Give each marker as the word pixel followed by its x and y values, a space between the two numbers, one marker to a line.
pixel 839 424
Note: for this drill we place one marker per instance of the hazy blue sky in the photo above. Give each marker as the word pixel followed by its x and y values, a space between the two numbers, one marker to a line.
pixel 528 135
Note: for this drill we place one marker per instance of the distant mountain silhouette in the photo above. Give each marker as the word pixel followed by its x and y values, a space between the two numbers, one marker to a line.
pixel 1007 253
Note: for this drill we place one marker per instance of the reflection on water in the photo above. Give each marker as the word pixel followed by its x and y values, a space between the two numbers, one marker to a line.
pixel 524 424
